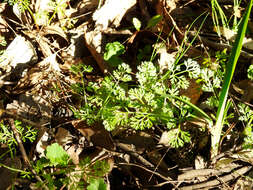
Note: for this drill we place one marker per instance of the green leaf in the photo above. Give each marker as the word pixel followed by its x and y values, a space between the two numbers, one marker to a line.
pixel 154 21
pixel 57 155
pixel 230 68
pixel 247 131
pixel 113 49
pixel 137 23
pixel 250 72
pixel 96 184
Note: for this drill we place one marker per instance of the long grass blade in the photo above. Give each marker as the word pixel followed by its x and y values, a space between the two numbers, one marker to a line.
pixel 230 68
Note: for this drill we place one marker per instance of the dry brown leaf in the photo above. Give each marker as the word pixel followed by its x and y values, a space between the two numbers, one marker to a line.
pixel 18 55
pixel 244 87
pixel 112 12
pixel 93 41
pixel 96 134
pixel 53 29
pixel 248 43
pixel 193 91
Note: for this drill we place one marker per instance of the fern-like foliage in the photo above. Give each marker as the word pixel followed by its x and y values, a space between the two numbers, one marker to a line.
pixel 140 101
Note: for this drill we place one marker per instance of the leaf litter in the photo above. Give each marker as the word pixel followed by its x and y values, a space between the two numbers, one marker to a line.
pixel 36 88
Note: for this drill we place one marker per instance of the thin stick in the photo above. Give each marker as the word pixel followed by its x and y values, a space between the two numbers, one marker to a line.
pixel 23 152
pixel 148 170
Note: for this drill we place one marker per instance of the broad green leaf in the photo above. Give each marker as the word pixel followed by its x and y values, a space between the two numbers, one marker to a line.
pixel 96 184
pixel 57 155
pixel 137 23
pixel 154 21
pixel 113 49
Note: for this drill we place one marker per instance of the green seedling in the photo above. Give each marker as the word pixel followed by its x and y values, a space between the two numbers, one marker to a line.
pixel 151 23
pixel 112 52
pixel 57 171
pixel 137 23
pixel 217 15
pixel 7 137
pixel 250 72
pixel 246 115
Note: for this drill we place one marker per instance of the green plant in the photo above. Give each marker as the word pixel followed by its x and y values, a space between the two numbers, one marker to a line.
pixel 217 15
pixel 230 68
pixel 57 171
pixel 120 102
pixel 247 116
pixel 59 7
pixel 137 23
pixel 23 5
pixel 7 137
pixel 151 23
pixel 250 72
pixel 112 52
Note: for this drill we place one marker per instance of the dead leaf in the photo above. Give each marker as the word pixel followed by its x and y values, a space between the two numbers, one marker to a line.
pixel 93 41
pixel 96 134
pixel 74 153
pixel 20 53
pixel 248 43
pixel 193 91
pixel 111 13
pixel 53 29
pixel 244 87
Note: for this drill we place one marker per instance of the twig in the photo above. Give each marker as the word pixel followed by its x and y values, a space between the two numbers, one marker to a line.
pixel 226 133
pixel 223 182
pixel 219 46
pixel 148 170
pixel 205 172
pixel 159 163
pixel 134 154
pixel 217 182
pixel 23 152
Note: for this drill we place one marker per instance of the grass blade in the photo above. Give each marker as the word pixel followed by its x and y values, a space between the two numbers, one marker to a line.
pixel 230 68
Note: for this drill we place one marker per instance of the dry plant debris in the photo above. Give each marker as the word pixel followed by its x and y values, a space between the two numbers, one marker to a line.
pixel 109 94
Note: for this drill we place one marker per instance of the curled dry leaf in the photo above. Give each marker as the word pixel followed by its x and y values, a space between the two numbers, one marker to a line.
pixel 56 30
pixel 193 91
pixel 112 12
pixel 20 53
pixel 93 41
